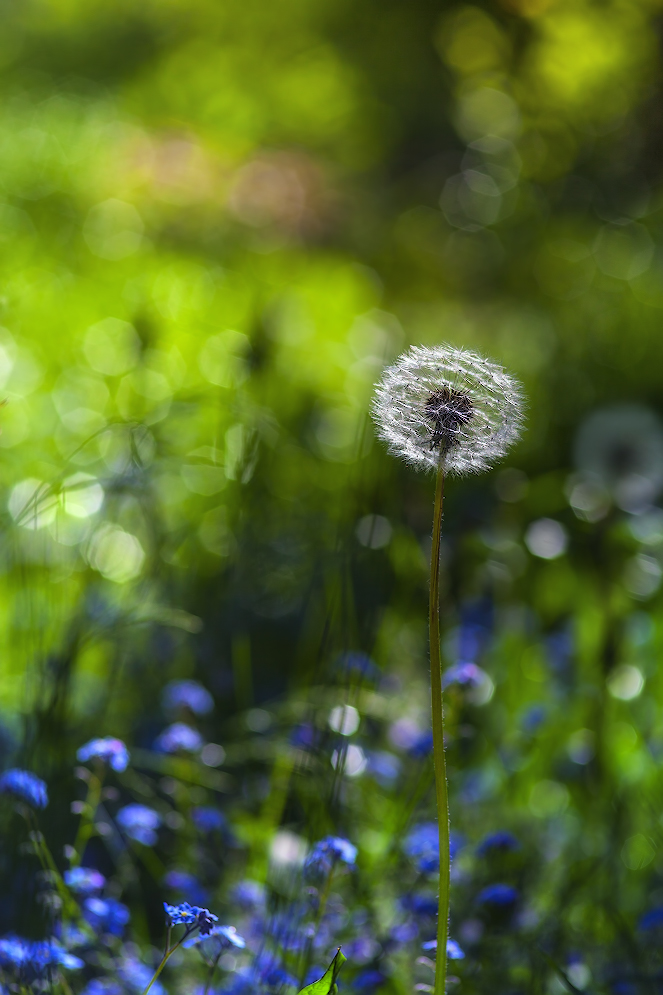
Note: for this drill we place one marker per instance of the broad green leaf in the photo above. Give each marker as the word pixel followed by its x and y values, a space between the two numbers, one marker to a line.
pixel 327 983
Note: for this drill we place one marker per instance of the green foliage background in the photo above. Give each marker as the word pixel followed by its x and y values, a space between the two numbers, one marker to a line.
pixel 217 223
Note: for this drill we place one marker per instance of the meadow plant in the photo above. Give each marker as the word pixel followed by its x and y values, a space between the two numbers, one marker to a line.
pixel 453 412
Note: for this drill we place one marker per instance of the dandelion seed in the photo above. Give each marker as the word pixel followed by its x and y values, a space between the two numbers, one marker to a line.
pixel 445 405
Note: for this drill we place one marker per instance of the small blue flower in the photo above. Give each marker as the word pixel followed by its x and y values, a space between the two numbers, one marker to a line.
pixel 249 895
pixel 105 915
pixel 136 976
pixel 404 932
pixel 186 883
pixel 420 905
pixel 498 894
pixel 177 737
pixel 25 785
pixel 368 981
pixel 422 745
pixel 34 960
pixel 207 819
pixel 190 915
pixel 326 853
pixel 84 880
pixel 502 841
pixel 359 666
pixel 385 767
pixel 454 952
pixel 187 694
pixel 423 845
pixel 651 920
pixel 216 940
pixel 104 986
pixel 466 675
pixel 109 750
pixel 139 823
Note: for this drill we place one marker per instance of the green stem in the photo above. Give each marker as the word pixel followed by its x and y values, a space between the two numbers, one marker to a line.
pixel 441 794
pixel 169 950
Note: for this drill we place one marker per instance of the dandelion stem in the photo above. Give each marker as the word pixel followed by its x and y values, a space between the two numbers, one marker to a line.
pixel 441 793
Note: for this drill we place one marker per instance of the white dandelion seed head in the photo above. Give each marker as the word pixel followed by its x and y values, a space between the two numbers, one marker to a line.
pixel 442 404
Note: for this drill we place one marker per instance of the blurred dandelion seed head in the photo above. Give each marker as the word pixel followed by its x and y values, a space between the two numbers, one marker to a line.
pixel 451 405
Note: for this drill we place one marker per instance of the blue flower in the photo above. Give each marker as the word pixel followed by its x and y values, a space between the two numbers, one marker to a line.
pixel 420 905
pixel 177 737
pixel 498 894
pixel 207 820
pixel 422 745
pixel 249 895
pixel 385 767
pixel 34 960
pixel 84 880
pixel 139 823
pixel 502 841
pixel 368 981
pixel 109 750
pixel 533 717
pixel 454 952
pixel 326 853
pixel 25 785
pixel 136 976
pixel 423 845
pixel 187 883
pixel 104 986
pixel 358 665
pixel 651 920
pixel 190 915
pixel 105 915
pixel 216 940
pixel 187 694
pixel 466 675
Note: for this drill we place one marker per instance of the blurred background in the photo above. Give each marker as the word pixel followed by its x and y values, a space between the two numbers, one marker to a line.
pixel 218 223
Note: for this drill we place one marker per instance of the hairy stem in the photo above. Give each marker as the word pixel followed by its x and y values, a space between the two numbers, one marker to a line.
pixel 441 794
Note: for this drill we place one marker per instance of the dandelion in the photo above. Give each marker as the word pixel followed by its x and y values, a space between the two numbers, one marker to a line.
pixel 446 407
pixel 25 786
pixel 453 412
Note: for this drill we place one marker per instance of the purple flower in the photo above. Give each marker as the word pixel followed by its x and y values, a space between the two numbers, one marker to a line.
pixel 84 880
pixel 498 894
pixel 190 915
pixel 105 915
pixel 326 853
pixel 502 841
pixel 109 750
pixel 187 694
pixel 25 785
pixel 207 819
pixel 140 823
pixel 179 736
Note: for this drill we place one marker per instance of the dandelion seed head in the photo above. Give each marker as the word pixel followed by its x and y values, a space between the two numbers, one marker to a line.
pixel 443 404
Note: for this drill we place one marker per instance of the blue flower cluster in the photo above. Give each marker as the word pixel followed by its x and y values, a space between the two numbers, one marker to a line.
pixel 25 962
pixel 190 915
pixel 107 750
pixel 25 786
pixel 326 854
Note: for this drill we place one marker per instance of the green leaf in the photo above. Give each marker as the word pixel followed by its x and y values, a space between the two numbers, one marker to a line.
pixel 327 983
